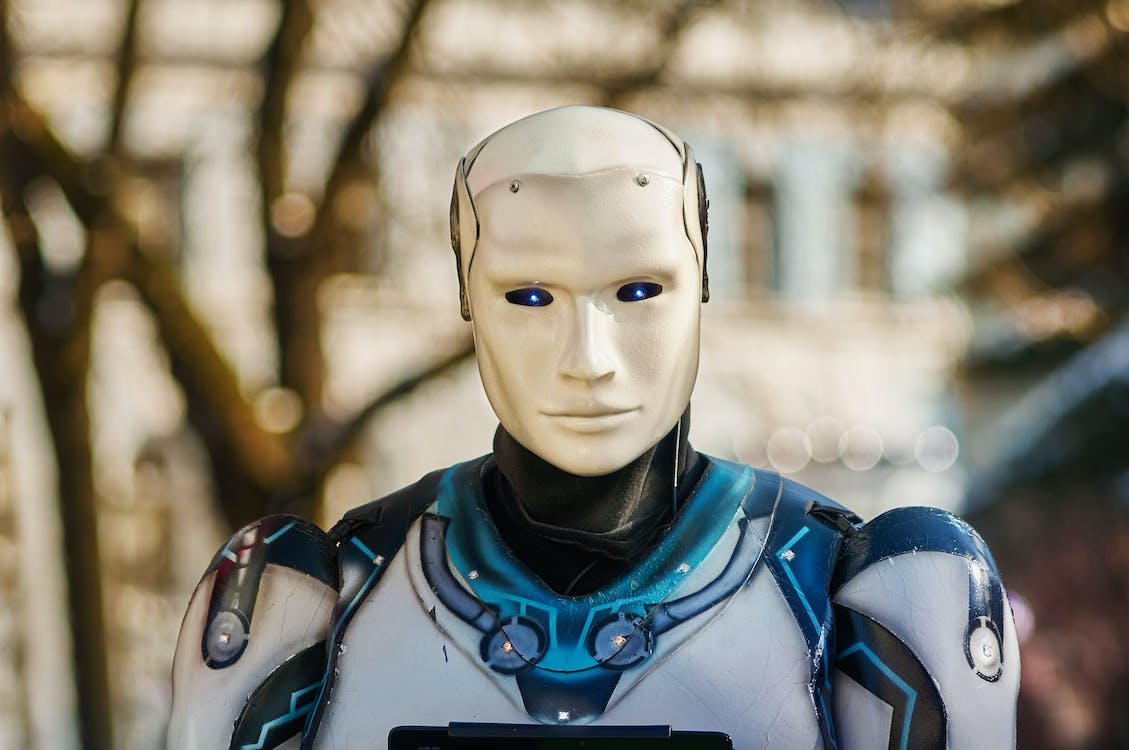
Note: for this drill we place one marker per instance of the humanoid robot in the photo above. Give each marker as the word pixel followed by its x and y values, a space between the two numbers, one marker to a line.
pixel 594 576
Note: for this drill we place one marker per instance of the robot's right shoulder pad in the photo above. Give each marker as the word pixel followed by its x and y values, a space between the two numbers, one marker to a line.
pixel 267 596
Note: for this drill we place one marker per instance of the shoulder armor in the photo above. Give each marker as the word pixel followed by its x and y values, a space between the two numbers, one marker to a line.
pixel 266 597
pixel 925 645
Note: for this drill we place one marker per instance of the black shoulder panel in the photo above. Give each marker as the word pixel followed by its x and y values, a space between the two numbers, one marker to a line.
pixel 881 663
pixel 368 538
pixel 288 541
pixel 903 530
pixel 803 544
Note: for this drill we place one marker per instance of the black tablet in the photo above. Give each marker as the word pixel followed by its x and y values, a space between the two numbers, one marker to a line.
pixel 540 737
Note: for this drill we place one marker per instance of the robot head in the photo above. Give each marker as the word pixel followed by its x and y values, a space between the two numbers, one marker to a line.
pixel 579 235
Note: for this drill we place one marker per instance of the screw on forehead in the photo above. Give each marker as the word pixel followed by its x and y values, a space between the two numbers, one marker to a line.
pixel 515 185
pixel 642 180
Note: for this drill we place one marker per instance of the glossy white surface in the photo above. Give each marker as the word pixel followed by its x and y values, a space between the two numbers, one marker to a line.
pixel 744 671
pixel 922 598
pixel 292 611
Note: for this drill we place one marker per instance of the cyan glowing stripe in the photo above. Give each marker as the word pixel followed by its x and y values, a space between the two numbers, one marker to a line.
pixel 293 714
pixel 230 555
pixel 376 571
pixel 791 576
pixel 363 548
pixel 831 733
pixel 911 694
pixel 280 532
pixel 552 612
pixel 803 600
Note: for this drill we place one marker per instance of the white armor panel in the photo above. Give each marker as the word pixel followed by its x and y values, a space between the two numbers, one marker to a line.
pixel 922 599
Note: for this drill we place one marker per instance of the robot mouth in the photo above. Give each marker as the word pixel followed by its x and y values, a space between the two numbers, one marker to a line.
pixel 594 411
pixel 593 420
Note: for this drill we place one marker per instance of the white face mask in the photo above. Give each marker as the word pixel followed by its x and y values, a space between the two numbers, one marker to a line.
pixel 585 294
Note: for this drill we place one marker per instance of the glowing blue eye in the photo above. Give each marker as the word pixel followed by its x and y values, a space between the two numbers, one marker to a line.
pixel 638 290
pixel 529 297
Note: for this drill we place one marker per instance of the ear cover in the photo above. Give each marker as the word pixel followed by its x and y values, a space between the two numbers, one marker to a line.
pixel 704 224
pixel 464 226
pixel 695 211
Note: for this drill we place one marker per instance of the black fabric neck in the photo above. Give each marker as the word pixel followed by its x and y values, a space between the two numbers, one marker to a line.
pixel 577 533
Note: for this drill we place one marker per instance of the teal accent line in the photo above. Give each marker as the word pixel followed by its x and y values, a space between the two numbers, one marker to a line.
pixel 504 583
pixel 293 714
pixel 792 576
pixel 360 594
pixel 363 548
pixel 280 532
pixel 911 694
pixel 799 535
pixel 376 571
pixel 831 732
pixel 230 555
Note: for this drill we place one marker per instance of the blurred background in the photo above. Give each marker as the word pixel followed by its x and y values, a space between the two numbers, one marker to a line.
pixel 226 289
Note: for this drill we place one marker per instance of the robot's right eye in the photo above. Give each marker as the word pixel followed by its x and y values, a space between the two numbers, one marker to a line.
pixel 529 297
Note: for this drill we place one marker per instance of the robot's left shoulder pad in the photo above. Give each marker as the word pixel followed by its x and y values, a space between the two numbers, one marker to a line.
pixel 922 624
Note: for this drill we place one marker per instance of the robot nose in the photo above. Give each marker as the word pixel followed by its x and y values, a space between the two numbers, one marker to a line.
pixel 588 354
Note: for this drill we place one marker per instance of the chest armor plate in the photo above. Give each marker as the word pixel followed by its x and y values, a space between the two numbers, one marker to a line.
pixel 721 627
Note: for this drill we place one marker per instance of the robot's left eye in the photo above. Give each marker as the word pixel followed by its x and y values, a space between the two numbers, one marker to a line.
pixel 529 297
pixel 638 290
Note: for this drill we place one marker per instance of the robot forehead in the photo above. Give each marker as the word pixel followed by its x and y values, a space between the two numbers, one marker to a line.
pixel 586 143
pixel 573 141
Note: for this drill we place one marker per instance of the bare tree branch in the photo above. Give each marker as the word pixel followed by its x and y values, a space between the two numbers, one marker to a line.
pixel 322 447
pixel 278 67
pixel 57 311
pixel 5 49
pixel 254 469
pixel 261 455
pixel 299 267
pixel 671 27
pixel 126 64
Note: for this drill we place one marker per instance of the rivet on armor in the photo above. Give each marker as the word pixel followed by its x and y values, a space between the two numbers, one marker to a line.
pixel 788 555
pixel 225 639
pixel 984 652
pixel 515 185
pixel 684 568
pixel 472 575
pixel 642 180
